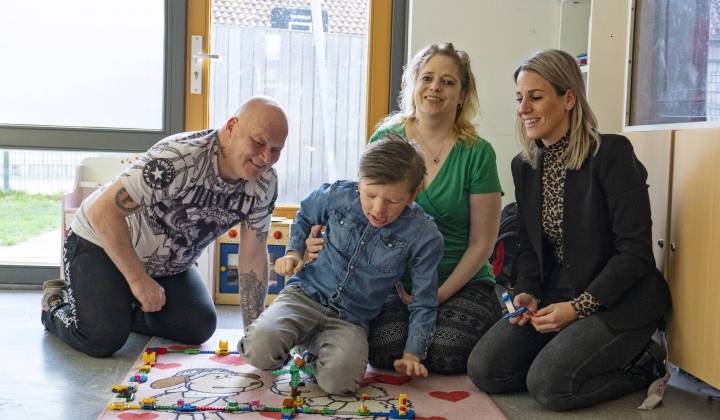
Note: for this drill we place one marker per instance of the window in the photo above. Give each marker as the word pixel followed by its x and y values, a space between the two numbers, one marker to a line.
pixel 86 77
pixel 676 62
pixel 91 75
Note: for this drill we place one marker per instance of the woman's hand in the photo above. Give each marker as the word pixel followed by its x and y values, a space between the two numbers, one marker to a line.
pixel 410 365
pixel 528 301
pixel 405 297
pixel 553 318
pixel 315 242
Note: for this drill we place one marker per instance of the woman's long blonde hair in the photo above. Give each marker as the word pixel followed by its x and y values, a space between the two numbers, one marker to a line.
pixel 464 128
pixel 561 70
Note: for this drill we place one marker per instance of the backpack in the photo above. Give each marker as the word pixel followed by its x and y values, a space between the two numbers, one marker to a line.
pixel 506 247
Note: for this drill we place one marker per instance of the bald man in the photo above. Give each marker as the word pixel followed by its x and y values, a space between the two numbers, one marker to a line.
pixel 129 259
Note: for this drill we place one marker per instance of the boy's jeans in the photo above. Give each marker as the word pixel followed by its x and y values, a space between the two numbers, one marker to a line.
pixel 295 319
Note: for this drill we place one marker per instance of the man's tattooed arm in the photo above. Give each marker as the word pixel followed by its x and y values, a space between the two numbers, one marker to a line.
pixel 124 202
pixel 253 289
pixel 261 237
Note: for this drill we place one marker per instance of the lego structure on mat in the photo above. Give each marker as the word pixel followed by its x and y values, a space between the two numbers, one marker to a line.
pixel 291 407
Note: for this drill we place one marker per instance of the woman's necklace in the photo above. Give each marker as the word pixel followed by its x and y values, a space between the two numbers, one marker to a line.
pixel 435 157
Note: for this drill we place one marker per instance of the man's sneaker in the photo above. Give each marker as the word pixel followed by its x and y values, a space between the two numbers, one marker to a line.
pixel 54 293
pixel 651 362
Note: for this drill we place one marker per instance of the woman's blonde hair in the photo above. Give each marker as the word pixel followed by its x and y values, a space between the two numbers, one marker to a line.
pixel 561 70
pixel 464 128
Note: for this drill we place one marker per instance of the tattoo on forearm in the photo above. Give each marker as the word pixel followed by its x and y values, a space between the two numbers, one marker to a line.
pixel 124 202
pixel 261 237
pixel 252 296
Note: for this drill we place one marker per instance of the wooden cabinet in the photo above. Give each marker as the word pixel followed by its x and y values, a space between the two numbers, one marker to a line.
pixel 654 149
pixel 685 196
pixel 693 268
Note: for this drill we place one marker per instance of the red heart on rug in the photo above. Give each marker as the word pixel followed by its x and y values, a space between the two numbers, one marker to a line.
pixel 430 418
pixel 271 415
pixel 453 396
pixel 130 416
pixel 230 359
pixel 166 365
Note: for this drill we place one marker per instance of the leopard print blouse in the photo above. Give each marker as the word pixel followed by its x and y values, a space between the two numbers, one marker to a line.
pixel 553 182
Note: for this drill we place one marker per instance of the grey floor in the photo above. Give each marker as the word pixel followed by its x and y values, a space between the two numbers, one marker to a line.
pixel 40 377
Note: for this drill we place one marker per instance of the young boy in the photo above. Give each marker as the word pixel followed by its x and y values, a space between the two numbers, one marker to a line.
pixel 375 233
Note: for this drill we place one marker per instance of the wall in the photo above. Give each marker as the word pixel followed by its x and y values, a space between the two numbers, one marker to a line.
pixel 497 35
pixel 608 56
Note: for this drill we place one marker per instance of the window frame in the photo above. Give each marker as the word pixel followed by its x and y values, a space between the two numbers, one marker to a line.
pixel 113 139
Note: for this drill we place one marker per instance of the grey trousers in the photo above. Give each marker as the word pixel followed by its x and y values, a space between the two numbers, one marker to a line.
pixel 582 365
pixel 296 319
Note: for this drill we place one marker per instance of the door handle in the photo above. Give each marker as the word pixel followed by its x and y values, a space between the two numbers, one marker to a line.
pixel 196 63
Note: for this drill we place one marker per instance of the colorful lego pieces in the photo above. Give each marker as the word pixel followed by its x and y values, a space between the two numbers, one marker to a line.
pixel 363 410
pixel 148 403
pixel 222 348
pixel 141 379
pixel 149 357
pixel 402 411
pixel 292 406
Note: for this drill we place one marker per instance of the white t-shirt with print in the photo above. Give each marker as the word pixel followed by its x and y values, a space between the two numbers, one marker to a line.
pixel 184 204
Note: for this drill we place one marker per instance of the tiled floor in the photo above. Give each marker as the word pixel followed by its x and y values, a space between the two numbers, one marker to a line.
pixel 40 377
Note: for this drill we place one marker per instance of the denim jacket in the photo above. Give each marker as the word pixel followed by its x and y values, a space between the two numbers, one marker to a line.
pixel 360 264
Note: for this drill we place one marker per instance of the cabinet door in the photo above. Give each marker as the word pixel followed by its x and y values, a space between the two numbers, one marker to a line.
pixel 694 258
pixel 654 148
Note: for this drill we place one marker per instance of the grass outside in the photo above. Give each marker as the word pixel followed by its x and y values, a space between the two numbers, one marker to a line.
pixel 23 215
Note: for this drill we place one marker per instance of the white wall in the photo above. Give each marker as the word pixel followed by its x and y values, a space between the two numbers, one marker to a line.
pixel 497 34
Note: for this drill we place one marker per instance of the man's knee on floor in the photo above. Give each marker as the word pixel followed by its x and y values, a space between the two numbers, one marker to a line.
pixel 104 345
pixel 202 327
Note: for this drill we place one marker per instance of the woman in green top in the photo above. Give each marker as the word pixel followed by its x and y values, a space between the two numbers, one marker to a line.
pixel 462 192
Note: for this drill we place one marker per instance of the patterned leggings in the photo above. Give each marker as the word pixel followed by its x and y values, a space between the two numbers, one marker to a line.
pixel 461 321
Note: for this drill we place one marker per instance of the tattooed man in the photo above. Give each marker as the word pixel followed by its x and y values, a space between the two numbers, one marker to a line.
pixel 129 261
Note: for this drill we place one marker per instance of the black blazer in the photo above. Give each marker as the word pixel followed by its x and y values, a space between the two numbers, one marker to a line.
pixel 606 234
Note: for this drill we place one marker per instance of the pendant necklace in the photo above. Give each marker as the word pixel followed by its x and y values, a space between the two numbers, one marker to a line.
pixel 435 157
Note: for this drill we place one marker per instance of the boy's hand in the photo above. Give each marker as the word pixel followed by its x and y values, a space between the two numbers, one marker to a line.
pixel 315 242
pixel 410 365
pixel 288 265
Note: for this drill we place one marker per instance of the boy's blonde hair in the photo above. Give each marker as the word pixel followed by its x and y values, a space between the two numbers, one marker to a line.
pixel 390 160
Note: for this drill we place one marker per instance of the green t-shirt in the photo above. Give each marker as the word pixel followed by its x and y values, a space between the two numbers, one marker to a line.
pixel 469 169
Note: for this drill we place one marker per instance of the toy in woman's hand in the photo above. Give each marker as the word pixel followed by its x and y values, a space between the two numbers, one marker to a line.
pixel 512 311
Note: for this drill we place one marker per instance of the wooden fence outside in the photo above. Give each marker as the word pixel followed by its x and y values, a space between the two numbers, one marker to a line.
pixel 282 64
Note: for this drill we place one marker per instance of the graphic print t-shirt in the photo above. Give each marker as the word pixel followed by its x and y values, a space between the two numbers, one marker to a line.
pixel 184 204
